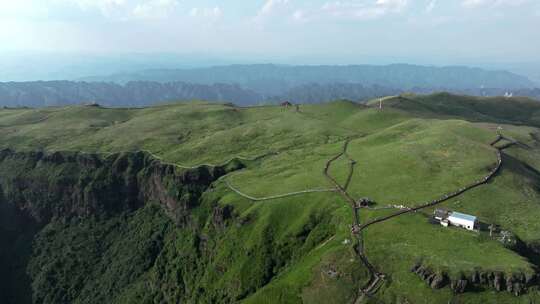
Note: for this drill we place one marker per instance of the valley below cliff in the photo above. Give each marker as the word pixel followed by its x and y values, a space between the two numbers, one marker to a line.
pixel 84 228
pixel 215 203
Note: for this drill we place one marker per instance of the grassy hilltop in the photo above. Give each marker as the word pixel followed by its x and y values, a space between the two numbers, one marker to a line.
pixel 296 248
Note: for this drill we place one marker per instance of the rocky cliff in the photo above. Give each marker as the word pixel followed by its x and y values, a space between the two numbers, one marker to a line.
pixel 84 228
pixel 58 193
pixel 516 283
pixel 46 186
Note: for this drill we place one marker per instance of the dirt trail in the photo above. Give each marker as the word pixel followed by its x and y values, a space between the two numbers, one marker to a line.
pixel 341 189
pixel 451 195
pixel 373 286
pixel 377 278
pixel 212 165
pixel 267 198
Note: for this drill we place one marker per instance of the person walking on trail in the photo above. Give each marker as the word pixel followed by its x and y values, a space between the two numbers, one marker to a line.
pixel 297 106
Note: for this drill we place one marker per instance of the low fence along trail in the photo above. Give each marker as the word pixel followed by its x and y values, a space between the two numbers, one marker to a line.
pixel 357 228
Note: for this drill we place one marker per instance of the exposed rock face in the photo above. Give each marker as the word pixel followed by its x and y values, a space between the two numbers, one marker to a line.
pixel 434 280
pixel 459 286
pixel 499 281
pixel 46 186
pixel 220 215
pixel 438 281
pixel 38 190
pixel 92 229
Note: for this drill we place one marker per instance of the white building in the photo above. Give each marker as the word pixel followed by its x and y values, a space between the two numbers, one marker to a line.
pixel 462 220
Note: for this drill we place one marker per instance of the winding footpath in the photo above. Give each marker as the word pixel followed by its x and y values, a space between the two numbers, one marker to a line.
pixel 374 284
pixel 357 228
pixel 211 165
pixel 454 194
pixel 161 160
pixel 267 198
pixel 377 278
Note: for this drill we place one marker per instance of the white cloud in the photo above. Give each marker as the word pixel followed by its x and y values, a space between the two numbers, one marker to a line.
pixel 214 12
pixel 270 6
pixel 493 3
pixel 363 10
pixel 22 9
pixel 300 16
pixel 107 8
pixel 431 5
pixel 126 9
pixel 274 12
pixel 394 5
pixel 155 9
pixel 475 3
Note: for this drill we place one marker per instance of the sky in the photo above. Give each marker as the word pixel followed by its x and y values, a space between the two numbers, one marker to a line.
pixel 315 31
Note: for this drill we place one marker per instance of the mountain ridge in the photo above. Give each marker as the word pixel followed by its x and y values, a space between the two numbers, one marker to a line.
pixel 272 79
pixel 147 93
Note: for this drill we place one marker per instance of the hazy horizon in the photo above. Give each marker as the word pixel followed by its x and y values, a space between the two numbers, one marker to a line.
pixel 31 66
pixel 447 32
pixel 65 39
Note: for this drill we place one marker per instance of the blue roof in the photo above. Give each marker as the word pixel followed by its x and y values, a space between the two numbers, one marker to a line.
pixel 463 216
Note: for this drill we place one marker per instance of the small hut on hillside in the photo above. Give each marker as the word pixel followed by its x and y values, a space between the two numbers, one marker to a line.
pixel 286 104
pixel 457 219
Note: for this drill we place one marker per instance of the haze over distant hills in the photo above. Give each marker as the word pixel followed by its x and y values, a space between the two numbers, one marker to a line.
pixel 136 93
pixel 265 83
pixel 272 79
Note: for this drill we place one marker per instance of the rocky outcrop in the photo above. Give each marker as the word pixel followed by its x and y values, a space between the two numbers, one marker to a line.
pixel 220 215
pixel 516 283
pixel 435 280
pixel 65 184
pixel 459 285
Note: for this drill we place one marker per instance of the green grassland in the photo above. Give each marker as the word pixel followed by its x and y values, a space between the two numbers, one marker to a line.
pixel 413 151
pixel 515 110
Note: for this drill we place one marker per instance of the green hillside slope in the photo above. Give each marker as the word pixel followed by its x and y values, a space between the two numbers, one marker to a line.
pixel 269 226
pixel 514 110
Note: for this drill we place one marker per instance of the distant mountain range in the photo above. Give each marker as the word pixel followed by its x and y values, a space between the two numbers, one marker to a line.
pixel 137 93
pixel 269 79
pixel 258 84
pixel 144 93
